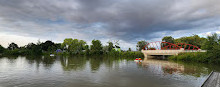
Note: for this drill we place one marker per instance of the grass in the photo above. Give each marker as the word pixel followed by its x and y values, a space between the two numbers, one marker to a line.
pixel 202 57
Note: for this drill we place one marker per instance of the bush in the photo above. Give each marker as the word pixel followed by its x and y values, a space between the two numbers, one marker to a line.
pixel 195 57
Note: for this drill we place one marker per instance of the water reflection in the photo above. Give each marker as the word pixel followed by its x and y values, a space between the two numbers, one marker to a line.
pixel 95 63
pixel 61 71
pixel 73 63
pixel 11 59
pixel 47 61
pixel 170 67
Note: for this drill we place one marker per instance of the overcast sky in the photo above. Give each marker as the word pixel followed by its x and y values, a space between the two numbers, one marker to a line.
pixel 24 21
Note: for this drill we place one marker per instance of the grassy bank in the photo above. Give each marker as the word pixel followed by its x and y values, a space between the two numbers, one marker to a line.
pixel 202 57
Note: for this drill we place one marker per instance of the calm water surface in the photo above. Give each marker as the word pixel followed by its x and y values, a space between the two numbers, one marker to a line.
pixel 99 72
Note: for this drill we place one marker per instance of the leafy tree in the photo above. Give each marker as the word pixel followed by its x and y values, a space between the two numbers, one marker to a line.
pixel 87 50
pixel 140 45
pixel 211 42
pixel 12 46
pixel 74 46
pixel 58 45
pixel 36 50
pixel 30 45
pixel 129 49
pixel 33 49
pixel 110 46
pixel 46 45
pixel 66 43
pixel 169 39
pixel 194 40
pixel 96 47
pixel 82 44
pixel 105 49
pixel 213 47
pixel 2 49
pixel 52 48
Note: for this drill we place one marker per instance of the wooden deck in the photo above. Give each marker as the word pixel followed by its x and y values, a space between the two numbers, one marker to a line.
pixel 213 80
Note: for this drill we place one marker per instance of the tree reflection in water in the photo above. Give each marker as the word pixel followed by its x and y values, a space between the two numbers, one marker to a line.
pixel 95 62
pixel 169 67
pixel 163 67
pixel 12 59
pixel 47 61
pixel 73 63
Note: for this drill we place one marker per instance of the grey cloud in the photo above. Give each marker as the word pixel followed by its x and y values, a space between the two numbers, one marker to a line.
pixel 126 20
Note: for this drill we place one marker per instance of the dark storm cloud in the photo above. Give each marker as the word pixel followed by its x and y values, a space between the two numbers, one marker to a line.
pixel 129 19
pixel 126 20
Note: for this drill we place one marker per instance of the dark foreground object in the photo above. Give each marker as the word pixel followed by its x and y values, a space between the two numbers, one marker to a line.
pixel 213 80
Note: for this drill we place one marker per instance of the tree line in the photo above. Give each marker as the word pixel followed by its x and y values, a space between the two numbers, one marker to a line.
pixel 70 47
pixel 30 49
pixel 211 44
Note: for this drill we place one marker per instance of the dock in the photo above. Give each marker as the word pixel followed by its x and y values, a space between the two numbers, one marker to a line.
pixel 213 80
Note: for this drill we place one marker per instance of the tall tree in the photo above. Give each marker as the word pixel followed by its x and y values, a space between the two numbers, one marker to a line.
pixel 110 46
pixel 58 45
pixel 46 45
pixel 194 40
pixel 74 46
pixel 96 47
pixel 66 43
pixel 140 45
pixel 12 46
pixel 129 49
pixel 2 49
pixel 169 39
pixel 213 47
pixel 87 50
pixel 33 49
pixel 211 42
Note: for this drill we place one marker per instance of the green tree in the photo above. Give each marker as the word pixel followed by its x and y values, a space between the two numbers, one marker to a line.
pixel 211 42
pixel 46 45
pixel 12 46
pixel 213 47
pixel 52 48
pixel 2 49
pixel 169 39
pixel 36 49
pixel 87 50
pixel 96 47
pixel 58 45
pixel 32 49
pixel 194 40
pixel 74 46
pixel 110 46
pixel 105 49
pixel 66 43
pixel 129 49
pixel 82 44
pixel 140 45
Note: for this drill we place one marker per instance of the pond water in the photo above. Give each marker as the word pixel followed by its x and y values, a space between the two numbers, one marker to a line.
pixel 99 72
